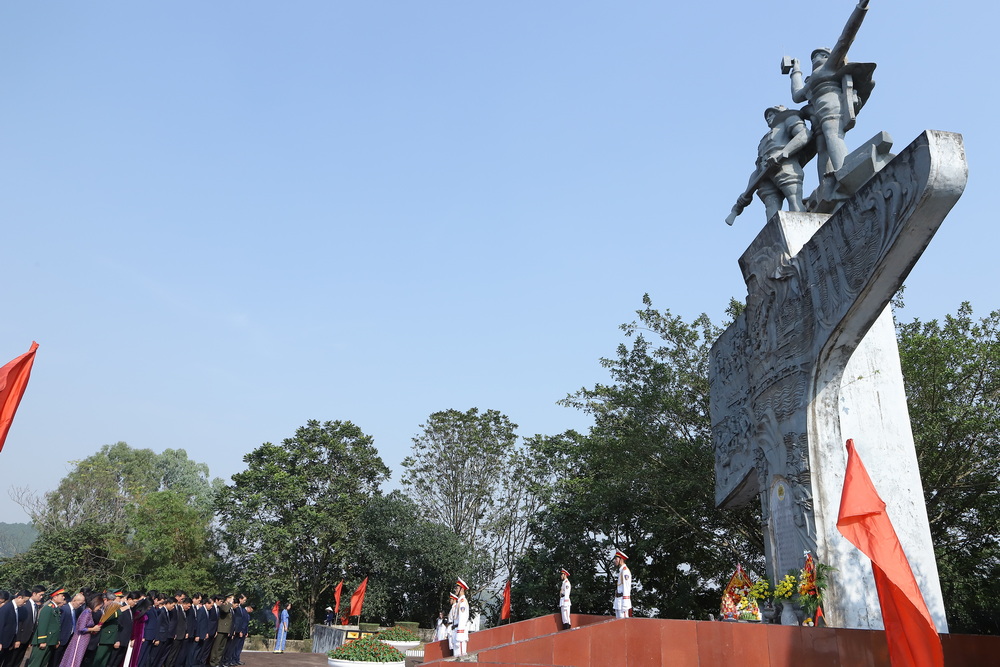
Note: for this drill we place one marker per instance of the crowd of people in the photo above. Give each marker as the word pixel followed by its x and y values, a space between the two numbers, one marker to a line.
pixel 91 629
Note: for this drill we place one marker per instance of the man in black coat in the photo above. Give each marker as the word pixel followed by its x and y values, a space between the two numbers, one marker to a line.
pixel 200 630
pixel 211 629
pixel 9 626
pixel 180 635
pixel 126 619
pixel 27 616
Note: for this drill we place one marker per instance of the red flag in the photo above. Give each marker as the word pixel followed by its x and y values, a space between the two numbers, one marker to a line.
pixel 505 609
pixel 909 630
pixel 358 598
pixel 13 380
pixel 819 617
pixel 276 610
pixel 336 599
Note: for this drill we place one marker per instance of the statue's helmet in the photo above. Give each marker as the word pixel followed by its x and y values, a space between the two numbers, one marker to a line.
pixel 825 51
pixel 776 109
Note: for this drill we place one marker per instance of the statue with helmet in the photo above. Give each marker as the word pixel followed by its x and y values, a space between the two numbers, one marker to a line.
pixel 834 93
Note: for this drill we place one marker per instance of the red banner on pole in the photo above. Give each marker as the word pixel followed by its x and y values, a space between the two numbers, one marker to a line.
pixel 13 381
pixel 505 609
pixel 358 598
pixel 909 630
pixel 336 601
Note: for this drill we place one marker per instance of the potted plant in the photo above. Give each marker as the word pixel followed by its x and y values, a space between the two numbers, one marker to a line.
pixel 363 652
pixel 784 591
pixel 399 638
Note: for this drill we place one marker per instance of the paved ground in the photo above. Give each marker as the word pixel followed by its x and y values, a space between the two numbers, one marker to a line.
pixel 262 659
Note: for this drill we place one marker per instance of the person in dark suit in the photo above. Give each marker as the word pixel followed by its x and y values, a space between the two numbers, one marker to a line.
pixel 151 631
pixel 168 626
pixel 27 615
pixel 224 629
pixel 9 623
pixel 200 630
pixel 179 636
pixel 211 628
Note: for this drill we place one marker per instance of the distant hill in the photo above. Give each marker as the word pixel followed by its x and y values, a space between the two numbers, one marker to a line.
pixel 15 538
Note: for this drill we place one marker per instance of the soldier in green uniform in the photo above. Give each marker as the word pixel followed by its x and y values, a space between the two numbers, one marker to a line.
pixel 107 642
pixel 46 638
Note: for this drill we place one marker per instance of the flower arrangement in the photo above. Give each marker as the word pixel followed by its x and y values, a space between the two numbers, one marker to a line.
pixel 398 634
pixel 761 590
pixel 812 582
pixel 786 588
pixel 367 649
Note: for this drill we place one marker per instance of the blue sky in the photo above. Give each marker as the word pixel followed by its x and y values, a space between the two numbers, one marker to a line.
pixel 221 219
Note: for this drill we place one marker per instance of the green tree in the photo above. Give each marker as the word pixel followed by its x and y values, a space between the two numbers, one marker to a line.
pixel 641 480
pixel 121 517
pixel 411 562
pixel 288 519
pixel 463 474
pixel 951 370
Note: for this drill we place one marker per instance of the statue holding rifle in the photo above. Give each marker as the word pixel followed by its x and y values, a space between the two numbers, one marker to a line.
pixel 834 92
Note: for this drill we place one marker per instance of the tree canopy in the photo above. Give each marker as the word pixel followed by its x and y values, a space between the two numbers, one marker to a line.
pixel 951 370
pixel 121 518
pixel 288 520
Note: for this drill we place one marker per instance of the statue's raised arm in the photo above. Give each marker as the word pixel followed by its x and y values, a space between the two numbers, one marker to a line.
pixel 838 56
pixel 835 91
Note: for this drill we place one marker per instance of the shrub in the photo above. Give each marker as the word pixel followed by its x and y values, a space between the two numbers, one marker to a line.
pixel 367 649
pixel 398 634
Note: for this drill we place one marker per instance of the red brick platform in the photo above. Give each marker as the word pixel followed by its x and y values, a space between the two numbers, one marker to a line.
pixel 600 641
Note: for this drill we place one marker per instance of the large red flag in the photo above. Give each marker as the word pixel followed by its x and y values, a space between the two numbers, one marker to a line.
pixel 336 600
pixel 505 609
pixel 276 610
pixel 13 380
pixel 909 630
pixel 358 598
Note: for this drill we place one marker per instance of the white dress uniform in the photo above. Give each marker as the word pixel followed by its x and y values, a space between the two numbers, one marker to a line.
pixel 462 625
pixel 564 603
pixel 623 594
pixel 452 620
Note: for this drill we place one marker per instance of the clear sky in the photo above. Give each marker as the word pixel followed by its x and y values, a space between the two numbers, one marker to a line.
pixel 223 218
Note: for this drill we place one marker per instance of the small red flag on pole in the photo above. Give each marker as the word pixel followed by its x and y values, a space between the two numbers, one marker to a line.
pixel 276 610
pixel 909 630
pixel 336 599
pixel 505 609
pixel 358 598
pixel 13 381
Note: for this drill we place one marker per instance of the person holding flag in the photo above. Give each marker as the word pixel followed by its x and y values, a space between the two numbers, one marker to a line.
pixel 564 603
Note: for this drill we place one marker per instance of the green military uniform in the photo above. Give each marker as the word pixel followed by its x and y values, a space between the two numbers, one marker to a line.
pixel 46 638
pixel 106 641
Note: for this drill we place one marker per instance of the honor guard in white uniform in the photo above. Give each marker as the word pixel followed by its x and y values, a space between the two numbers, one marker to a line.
pixel 452 620
pixel 623 593
pixel 461 618
pixel 564 602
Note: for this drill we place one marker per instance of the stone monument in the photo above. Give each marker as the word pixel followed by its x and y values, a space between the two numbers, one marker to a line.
pixel 813 360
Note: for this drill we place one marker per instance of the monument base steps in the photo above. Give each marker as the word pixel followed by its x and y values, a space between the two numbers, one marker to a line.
pixel 602 641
